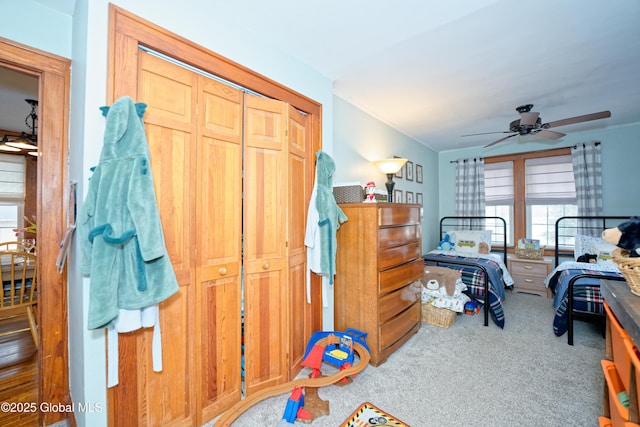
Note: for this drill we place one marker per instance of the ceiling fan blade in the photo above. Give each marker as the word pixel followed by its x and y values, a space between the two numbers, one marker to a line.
pixel 486 133
pixel 578 119
pixel 550 134
pixel 529 119
pixel 500 140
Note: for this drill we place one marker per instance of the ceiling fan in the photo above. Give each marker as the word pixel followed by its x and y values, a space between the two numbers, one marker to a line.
pixel 530 123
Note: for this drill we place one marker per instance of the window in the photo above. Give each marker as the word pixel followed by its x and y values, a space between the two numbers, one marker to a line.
pixel 498 188
pixel 531 191
pixel 12 170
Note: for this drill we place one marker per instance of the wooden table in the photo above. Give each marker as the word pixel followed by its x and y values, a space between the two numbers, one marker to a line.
pixel 624 304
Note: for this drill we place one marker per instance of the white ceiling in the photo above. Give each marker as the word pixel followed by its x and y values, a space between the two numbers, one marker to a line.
pixel 436 70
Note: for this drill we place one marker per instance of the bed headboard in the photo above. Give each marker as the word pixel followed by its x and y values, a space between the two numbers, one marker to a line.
pixel 495 223
pixel 568 227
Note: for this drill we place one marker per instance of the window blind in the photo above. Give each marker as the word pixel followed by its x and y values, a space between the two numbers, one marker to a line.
pixel 549 180
pixel 498 183
pixel 12 171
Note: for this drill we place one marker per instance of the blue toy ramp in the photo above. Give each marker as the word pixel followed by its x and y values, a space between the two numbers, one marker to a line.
pixel 357 336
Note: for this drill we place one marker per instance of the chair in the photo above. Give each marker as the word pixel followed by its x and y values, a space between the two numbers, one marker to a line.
pixel 11 246
pixel 14 247
pixel 19 289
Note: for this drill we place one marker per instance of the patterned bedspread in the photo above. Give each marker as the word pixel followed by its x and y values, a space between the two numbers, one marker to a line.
pixel 586 291
pixel 473 277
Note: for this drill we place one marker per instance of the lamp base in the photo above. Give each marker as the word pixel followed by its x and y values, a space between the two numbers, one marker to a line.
pixel 390 184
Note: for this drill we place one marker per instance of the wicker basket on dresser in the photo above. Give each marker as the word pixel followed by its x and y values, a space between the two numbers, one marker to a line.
pixel 379 257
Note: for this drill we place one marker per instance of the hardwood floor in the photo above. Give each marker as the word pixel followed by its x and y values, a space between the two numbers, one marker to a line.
pixel 18 374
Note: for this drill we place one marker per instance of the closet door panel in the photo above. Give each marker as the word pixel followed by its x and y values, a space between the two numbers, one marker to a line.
pixel 168 397
pixel 265 173
pixel 299 192
pixel 218 240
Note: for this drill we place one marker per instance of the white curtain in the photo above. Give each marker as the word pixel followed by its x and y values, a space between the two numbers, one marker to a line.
pixel 587 172
pixel 470 196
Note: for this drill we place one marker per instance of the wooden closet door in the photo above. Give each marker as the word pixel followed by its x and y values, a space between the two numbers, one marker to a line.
pixel 265 262
pixel 299 192
pixel 168 397
pixel 218 228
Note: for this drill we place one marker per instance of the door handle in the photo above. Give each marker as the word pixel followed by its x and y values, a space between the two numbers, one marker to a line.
pixel 222 271
pixel 265 266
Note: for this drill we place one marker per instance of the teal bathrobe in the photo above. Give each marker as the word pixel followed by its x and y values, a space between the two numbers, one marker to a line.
pixel 121 238
pixel 323 221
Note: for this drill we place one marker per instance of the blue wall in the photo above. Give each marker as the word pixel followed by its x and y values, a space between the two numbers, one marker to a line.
pixel 359 139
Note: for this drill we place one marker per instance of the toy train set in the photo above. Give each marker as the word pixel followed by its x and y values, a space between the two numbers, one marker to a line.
pixel 335 348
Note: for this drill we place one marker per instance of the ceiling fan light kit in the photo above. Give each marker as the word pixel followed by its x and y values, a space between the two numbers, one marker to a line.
pixel 25 141
pixel 530 123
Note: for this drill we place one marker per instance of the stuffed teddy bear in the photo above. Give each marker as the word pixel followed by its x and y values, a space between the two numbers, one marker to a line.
pixel 446 244
pixel 625 236
pixel 442 276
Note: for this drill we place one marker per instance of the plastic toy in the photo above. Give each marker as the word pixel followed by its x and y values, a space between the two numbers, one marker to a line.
pixel 370 191
pixel 295 408
pixel 472 308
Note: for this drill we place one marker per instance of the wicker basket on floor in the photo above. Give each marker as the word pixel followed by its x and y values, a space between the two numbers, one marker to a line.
pixel 438 316
pixel 629 267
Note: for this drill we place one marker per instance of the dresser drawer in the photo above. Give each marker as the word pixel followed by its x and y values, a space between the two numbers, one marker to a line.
pixel 524 268
pixel 398 215
pixel 394 236
pixel 528 281
pixel 394 329
pixel 390 257
pixel 397 301
pixel 397 277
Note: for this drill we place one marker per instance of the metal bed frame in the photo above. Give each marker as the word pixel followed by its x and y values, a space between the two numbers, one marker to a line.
pixel 601 223
pixel 448 223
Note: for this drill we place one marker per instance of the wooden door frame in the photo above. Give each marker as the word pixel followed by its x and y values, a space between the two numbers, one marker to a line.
pixel 53 73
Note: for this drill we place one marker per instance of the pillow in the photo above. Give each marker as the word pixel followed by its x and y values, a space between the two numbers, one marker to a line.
pixel 468 241
pixel 595 246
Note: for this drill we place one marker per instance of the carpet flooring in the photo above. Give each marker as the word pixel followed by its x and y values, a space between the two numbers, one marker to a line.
pixel 474 375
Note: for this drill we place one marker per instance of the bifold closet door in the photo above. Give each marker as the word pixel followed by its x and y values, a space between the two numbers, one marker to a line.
pixel 265 260
pixel 218 237
pixel 231 173
pixel 145 397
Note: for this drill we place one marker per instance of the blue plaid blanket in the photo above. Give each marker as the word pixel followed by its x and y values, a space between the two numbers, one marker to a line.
pixel 473 277
pixel 586 294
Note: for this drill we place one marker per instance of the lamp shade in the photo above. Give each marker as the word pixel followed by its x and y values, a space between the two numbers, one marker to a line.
pixel 390 166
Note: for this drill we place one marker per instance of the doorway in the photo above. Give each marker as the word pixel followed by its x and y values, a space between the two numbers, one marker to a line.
pixel 53 74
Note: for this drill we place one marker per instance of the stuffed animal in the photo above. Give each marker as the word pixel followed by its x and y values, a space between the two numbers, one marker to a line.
pixel 590 258
pixel 441 276
pixel 625 236
pixel 446 244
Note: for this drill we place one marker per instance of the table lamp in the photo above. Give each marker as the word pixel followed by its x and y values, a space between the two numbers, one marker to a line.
pixel 390 167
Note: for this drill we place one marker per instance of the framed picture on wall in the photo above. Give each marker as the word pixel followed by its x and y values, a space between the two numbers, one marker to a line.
pixel 397 196
pixel 399 173
pixel 418 173
pixel 409 196
pixel 419 198
pixel 409 166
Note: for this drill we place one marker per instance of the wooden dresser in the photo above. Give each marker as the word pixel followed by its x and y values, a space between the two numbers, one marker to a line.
pixel 529 274
pixel 379 257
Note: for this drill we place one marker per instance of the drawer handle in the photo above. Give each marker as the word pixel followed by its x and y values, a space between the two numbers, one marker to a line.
pixel 528 267
pixel 222 271
pixel 528 280
pixel 265 266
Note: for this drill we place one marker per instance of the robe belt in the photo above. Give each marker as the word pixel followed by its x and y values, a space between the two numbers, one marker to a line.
pixel 106 231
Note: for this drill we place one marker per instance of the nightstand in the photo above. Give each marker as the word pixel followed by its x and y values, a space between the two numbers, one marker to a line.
pixel 529 274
